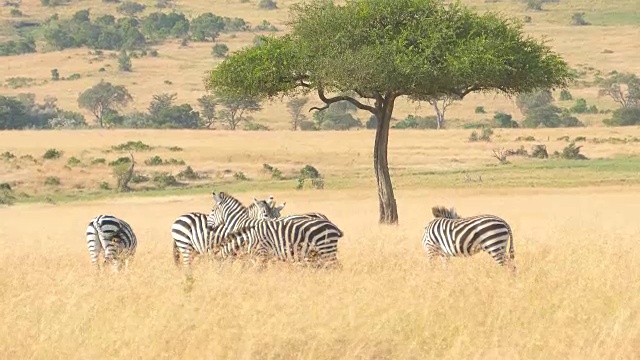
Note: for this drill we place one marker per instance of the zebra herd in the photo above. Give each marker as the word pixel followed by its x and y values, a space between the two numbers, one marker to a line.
pixel 259 231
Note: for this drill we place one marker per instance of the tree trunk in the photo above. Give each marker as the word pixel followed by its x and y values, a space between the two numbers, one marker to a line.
pixel 439 115
pixel 386 198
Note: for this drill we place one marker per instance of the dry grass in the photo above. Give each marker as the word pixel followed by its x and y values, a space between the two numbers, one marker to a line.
pixel 575 295
pixel 345 158
pixel 185 67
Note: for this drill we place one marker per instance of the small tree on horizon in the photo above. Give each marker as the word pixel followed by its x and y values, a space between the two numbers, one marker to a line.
pixel 295 107
pixel 381 50
pixel 104 97
pixel 236 109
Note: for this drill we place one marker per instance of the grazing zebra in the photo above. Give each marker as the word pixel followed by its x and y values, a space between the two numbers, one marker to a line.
pixel 293 238
pixel 114 238
pixel 191 235
pixel 450 235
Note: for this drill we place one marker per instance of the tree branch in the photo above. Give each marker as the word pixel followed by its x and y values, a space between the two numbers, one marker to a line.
pixel 335 99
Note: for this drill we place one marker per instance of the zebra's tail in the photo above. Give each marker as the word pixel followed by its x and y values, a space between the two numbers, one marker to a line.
pixel 511 251
pixel 176 254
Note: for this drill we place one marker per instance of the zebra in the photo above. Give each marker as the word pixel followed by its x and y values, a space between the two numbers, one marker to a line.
pixel 191 235
pixel 114 238
pixel 451 235
pixel 275 212
pixel 290 238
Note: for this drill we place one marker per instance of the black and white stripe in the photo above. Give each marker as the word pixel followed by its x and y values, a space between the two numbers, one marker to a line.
pixel 191 235
pixel 112 237
pixel 450 235
pixel 291 238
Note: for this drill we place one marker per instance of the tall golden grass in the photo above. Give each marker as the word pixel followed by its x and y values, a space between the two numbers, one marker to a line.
pixel 575 295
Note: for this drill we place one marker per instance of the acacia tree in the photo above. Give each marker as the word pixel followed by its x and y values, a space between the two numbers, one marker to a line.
pixel 103 98
pixel 440 105
pixel 294 107
pixel 623 88
pixel 384 49
pixel 236 109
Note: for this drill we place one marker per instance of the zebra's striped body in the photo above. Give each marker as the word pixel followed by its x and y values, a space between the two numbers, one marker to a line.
pixel 192 236
pixel 294 238
pixel 450 235
pixel 114 238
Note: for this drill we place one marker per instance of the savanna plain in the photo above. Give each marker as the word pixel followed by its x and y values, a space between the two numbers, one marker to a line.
pixel 574 221
pixel 574 224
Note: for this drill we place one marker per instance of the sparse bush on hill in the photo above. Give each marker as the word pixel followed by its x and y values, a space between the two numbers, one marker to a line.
pixel 577 19
pixel 124 62
pixel 130 8
pixel 74 161
pixel 52 181
pixel 628 116
pixel 273 171
pixel 265 26
pixel 486 134
pixel 55 75
pixel 104 33
pixel 251 125
pixel 132 146
pixel 52 154
pixel 581 107
pixel 15 12
pixel 17 47
pixel 417 122
pixel 338 116
pixel 503 120
pixel 189 174
pixel 565 95
pixel 267 5
pixel 53 3
pixel 206 27
pixel 480 110
pixel 310 172
pixel 526 138
pixel 157 161
pixel 539 151
pixel 6 194
pixel 219 50
pixel 240 176
pixel 572 152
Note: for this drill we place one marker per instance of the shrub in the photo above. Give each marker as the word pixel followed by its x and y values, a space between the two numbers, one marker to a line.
pixel 240 176
pixel 480 110
pixel 275 172
pixel 254 126
pixel 525 138
pixel 503 120
pixel 74 161
pixel 104 186
pixel 485 136
pixel 310 172
pixel 572 152
pixel 577 19
pixel 267 5
pixel 539 151
pixel 55 75
pixel 188 174
pixel 139 178
pixel 98 161
pixel 580 138
pixel 7 155
pixel 163 180
pixel 175 148
pixel 52 181
pixel 52 154
pixel 416 122
pixel 565 95
pixel 15 12
pixel 6 194
pixel 120 161
pixel 624 117
pixel 219 50
pixel 132 145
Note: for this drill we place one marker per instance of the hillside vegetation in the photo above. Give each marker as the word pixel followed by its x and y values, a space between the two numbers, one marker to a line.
pixel 159 52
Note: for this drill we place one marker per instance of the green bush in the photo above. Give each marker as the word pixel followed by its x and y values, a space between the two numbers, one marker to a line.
pixel 52 154
pixel 52 181
pixel 624 117
pixel 416 122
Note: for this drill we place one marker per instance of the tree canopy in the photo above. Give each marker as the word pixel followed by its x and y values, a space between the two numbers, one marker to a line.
pixel 384 49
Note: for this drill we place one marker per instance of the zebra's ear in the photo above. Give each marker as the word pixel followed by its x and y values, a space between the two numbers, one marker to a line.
pixel 281 206
pixel 270 202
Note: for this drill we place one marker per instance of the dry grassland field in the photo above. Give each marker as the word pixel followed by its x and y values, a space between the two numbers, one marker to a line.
pixel 575 222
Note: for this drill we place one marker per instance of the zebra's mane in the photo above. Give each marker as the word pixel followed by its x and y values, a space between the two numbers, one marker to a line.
pixel 442 212
pixel 228 199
